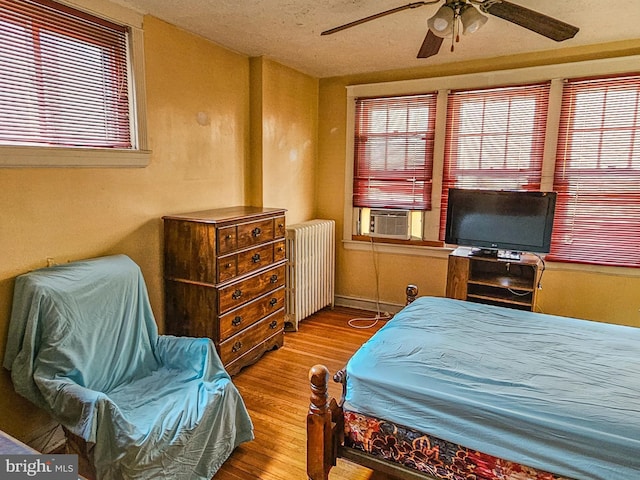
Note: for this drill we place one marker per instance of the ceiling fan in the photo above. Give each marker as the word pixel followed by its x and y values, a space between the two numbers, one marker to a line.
pixel 446 21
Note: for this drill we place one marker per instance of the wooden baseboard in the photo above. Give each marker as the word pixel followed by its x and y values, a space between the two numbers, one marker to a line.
pixel 364 304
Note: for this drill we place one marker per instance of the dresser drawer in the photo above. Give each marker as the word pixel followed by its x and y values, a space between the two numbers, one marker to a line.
pixel 241 318
pixel 247 261
pixel 253 233
pixel 241 343
pixel 237 294
pixel 280 227
pixel 279 252
pixel 227 239
pixel 254 259
pixel 227 268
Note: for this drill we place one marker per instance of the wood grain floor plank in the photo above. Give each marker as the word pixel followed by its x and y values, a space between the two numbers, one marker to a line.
pixel 276 393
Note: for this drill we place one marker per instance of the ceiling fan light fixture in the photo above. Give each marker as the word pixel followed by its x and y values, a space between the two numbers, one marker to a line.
pixel 471 19
pixel 442 22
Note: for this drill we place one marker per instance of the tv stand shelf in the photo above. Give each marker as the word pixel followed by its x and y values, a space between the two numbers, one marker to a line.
pixel 496 281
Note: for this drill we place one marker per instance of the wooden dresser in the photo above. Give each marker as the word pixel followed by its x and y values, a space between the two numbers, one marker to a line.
pixel 224 272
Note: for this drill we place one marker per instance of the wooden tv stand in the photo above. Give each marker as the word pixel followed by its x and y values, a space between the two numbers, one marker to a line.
pixel 494 281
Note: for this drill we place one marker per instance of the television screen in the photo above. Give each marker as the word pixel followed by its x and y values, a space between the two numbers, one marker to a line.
pixel 500 219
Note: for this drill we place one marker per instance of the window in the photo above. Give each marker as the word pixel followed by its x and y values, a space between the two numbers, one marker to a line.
pixel 532 129
pixel 495 139
pixel 394 152
pixel 68 81
pixel 597 173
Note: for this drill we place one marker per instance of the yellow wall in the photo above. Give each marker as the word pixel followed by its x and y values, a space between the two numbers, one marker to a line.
pixel 199 117
pixel 611 296
pixel 600 294
pixel 284 137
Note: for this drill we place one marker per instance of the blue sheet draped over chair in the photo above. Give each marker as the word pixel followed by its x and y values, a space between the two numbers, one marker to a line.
pixel 83 345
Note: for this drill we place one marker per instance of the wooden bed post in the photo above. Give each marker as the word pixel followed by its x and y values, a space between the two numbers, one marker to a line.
pixel 320 449
pixel 412 293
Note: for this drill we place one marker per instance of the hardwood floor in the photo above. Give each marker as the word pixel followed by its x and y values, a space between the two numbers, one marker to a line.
pixel 276 393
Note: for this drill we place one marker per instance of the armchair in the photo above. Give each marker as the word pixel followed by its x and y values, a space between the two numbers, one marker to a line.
pixel 83 345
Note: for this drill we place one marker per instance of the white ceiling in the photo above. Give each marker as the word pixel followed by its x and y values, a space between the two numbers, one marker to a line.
pixel 288 31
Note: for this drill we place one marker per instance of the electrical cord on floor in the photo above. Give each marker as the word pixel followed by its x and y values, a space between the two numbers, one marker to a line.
pixel 373 321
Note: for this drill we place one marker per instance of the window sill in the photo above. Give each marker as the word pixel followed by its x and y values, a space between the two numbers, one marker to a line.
pixel 398 247
pixel 395 241
pixel 55 157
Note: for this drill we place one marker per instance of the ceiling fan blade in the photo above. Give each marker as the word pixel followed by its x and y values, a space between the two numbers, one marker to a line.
pixel 378 15
pixel 534 21
pixel 430 45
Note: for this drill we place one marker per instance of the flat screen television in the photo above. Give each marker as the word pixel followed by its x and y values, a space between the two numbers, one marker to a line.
pixel 500 220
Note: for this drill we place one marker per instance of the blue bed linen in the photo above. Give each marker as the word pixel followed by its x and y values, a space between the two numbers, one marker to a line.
pixel 554 393
pixel 83 345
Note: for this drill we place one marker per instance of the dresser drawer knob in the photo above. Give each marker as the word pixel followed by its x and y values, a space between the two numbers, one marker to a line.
pixel 280 249
pixel 228 265
pixel 228 236
pixel 273 324
pixel 273 279
pixel 273 301
pixel 237 294
pixel 236 346
pixel 255 258
pixel 236 321
pixel 256 232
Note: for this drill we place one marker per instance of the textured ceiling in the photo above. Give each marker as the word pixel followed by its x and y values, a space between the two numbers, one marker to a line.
pixel 288 31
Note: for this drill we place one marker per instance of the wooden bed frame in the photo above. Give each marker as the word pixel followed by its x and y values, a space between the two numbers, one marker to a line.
pixel 325 434
pixel 325 428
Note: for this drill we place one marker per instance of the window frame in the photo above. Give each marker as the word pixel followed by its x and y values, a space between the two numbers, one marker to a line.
pixel 366 137
pixel 556 73
pixel 16 156
pixel 602 196
pixel 502 176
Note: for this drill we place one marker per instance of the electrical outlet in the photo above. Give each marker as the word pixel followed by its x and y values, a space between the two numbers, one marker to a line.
pixel 50 262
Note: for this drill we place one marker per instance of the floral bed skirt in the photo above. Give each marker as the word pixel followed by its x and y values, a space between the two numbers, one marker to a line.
pixel 428 454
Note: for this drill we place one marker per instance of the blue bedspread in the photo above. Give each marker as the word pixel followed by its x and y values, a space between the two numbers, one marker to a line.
pixel 83 345
pixel 555 393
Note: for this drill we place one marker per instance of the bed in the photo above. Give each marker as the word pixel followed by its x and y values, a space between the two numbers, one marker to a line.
pixel 450 389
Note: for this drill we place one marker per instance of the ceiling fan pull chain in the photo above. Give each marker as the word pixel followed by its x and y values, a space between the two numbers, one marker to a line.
pixel 455 33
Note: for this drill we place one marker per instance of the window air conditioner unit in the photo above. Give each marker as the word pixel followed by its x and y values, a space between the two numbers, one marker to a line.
pixel 390 224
